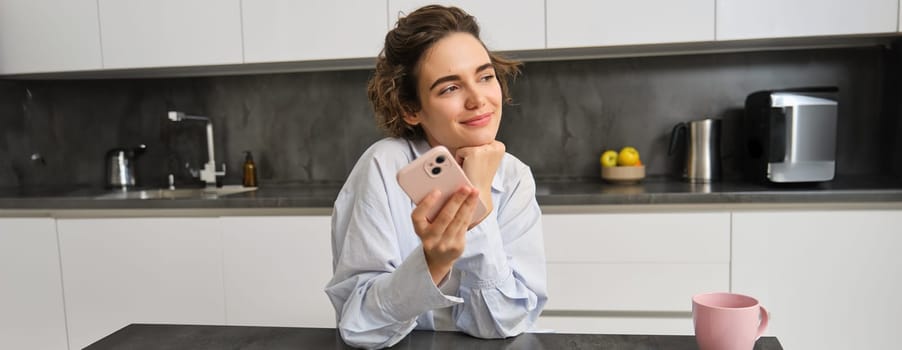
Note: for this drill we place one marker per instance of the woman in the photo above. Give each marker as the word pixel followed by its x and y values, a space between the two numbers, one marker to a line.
pixel 394 271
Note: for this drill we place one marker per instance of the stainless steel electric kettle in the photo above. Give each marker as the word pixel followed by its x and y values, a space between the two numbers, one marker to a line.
pixel 120 166
pixel 702 142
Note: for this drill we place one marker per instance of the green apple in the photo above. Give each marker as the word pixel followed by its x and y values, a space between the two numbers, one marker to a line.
pixel 609 158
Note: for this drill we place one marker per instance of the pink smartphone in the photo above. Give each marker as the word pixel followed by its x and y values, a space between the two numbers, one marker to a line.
pixel 435 169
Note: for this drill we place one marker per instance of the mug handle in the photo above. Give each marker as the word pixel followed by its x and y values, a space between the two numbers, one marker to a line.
pixel 763 325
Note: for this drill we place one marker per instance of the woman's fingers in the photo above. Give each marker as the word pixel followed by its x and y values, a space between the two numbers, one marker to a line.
pixel 444 239
pixel 449 211
pixel 463 153
pixel 446 215
pixel 420 222
pixel 457 229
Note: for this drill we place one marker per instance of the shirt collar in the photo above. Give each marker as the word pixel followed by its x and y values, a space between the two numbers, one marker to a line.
pixel 422 146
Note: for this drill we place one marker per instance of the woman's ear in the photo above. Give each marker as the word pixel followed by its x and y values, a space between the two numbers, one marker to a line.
pixel 412 119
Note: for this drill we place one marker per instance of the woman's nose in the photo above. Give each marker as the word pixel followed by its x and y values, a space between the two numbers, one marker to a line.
pixel 475 99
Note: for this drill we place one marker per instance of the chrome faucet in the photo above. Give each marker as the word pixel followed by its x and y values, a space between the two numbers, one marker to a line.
pixel 209 173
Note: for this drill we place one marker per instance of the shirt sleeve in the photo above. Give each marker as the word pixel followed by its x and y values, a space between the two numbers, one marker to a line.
pixel 503 281
pixel 377 294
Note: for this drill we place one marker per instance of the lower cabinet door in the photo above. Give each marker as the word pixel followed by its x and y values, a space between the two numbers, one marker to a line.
pixel 632 273
pixel 276 269
pixel 829 279
pixel 120 271
pixel 31 294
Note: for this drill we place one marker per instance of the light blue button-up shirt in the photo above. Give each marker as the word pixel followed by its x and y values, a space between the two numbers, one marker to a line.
pixel 381 288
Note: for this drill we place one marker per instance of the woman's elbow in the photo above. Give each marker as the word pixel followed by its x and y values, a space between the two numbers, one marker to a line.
pixel 494 333
pixel 498 329
pixel 366 340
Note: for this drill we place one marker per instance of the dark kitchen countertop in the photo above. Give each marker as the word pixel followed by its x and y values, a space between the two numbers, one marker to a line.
pixel 147 336
pixel 651 191
pixel 663 190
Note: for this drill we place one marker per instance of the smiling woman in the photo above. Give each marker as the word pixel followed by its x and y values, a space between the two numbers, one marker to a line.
pixel 436 84
pixel 394 89
pixel 457 110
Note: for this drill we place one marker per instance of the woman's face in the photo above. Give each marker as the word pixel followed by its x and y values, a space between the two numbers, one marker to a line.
pixel 459 94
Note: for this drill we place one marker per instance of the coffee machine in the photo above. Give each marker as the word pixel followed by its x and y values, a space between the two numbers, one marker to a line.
pixel 791 135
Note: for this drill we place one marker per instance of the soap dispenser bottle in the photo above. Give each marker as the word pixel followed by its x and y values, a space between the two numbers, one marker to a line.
pixel 250 171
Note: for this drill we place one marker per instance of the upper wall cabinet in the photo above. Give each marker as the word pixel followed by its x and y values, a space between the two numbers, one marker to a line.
pixel 578 23
pixel 170 33
pixel 744 19
pixel 48 36
pixel 504 25
pixel 290 30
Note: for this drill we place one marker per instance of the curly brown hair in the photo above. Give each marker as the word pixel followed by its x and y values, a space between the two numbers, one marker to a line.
pixel 393 87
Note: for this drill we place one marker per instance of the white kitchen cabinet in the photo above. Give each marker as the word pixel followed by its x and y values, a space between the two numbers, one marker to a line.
pixel 830 279
pixel 289 30
pixel 747 19
pixel 504 25
pixel 31 293
pixel 170 33
pixel 48 36
pixel 581 23
pixel 276 269
pixel 632 273
pixel 139 270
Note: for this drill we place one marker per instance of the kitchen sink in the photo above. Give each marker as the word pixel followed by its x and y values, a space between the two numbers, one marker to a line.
pixel 178 193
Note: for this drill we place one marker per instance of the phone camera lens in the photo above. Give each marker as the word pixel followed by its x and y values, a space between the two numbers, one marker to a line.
pixel 436 170
pixel 440 159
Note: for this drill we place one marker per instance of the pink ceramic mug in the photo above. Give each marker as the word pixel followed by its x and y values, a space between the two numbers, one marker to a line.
pixel 726 321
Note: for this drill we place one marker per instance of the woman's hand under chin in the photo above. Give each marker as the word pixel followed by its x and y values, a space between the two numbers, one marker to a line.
pixel 480 163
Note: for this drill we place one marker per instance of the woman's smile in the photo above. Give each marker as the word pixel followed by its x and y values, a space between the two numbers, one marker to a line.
pixel 479 120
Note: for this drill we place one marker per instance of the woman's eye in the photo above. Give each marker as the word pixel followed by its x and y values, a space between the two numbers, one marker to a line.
pixel 447 90
pixel 488 78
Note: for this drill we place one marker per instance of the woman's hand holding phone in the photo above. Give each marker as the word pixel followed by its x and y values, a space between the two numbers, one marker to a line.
pixel 436 169
pixel 444 238
pixel 480 163
pixel 447 205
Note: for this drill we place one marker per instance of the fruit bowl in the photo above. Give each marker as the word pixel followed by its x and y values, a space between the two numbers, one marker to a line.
pixel 623 174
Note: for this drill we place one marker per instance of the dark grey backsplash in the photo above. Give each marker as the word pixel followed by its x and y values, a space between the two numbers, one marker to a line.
pixel 892 128
pixel 570 111
pixel 311 127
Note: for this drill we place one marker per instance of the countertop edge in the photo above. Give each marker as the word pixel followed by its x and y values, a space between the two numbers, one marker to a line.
pixel 546 209
pixel 652 195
